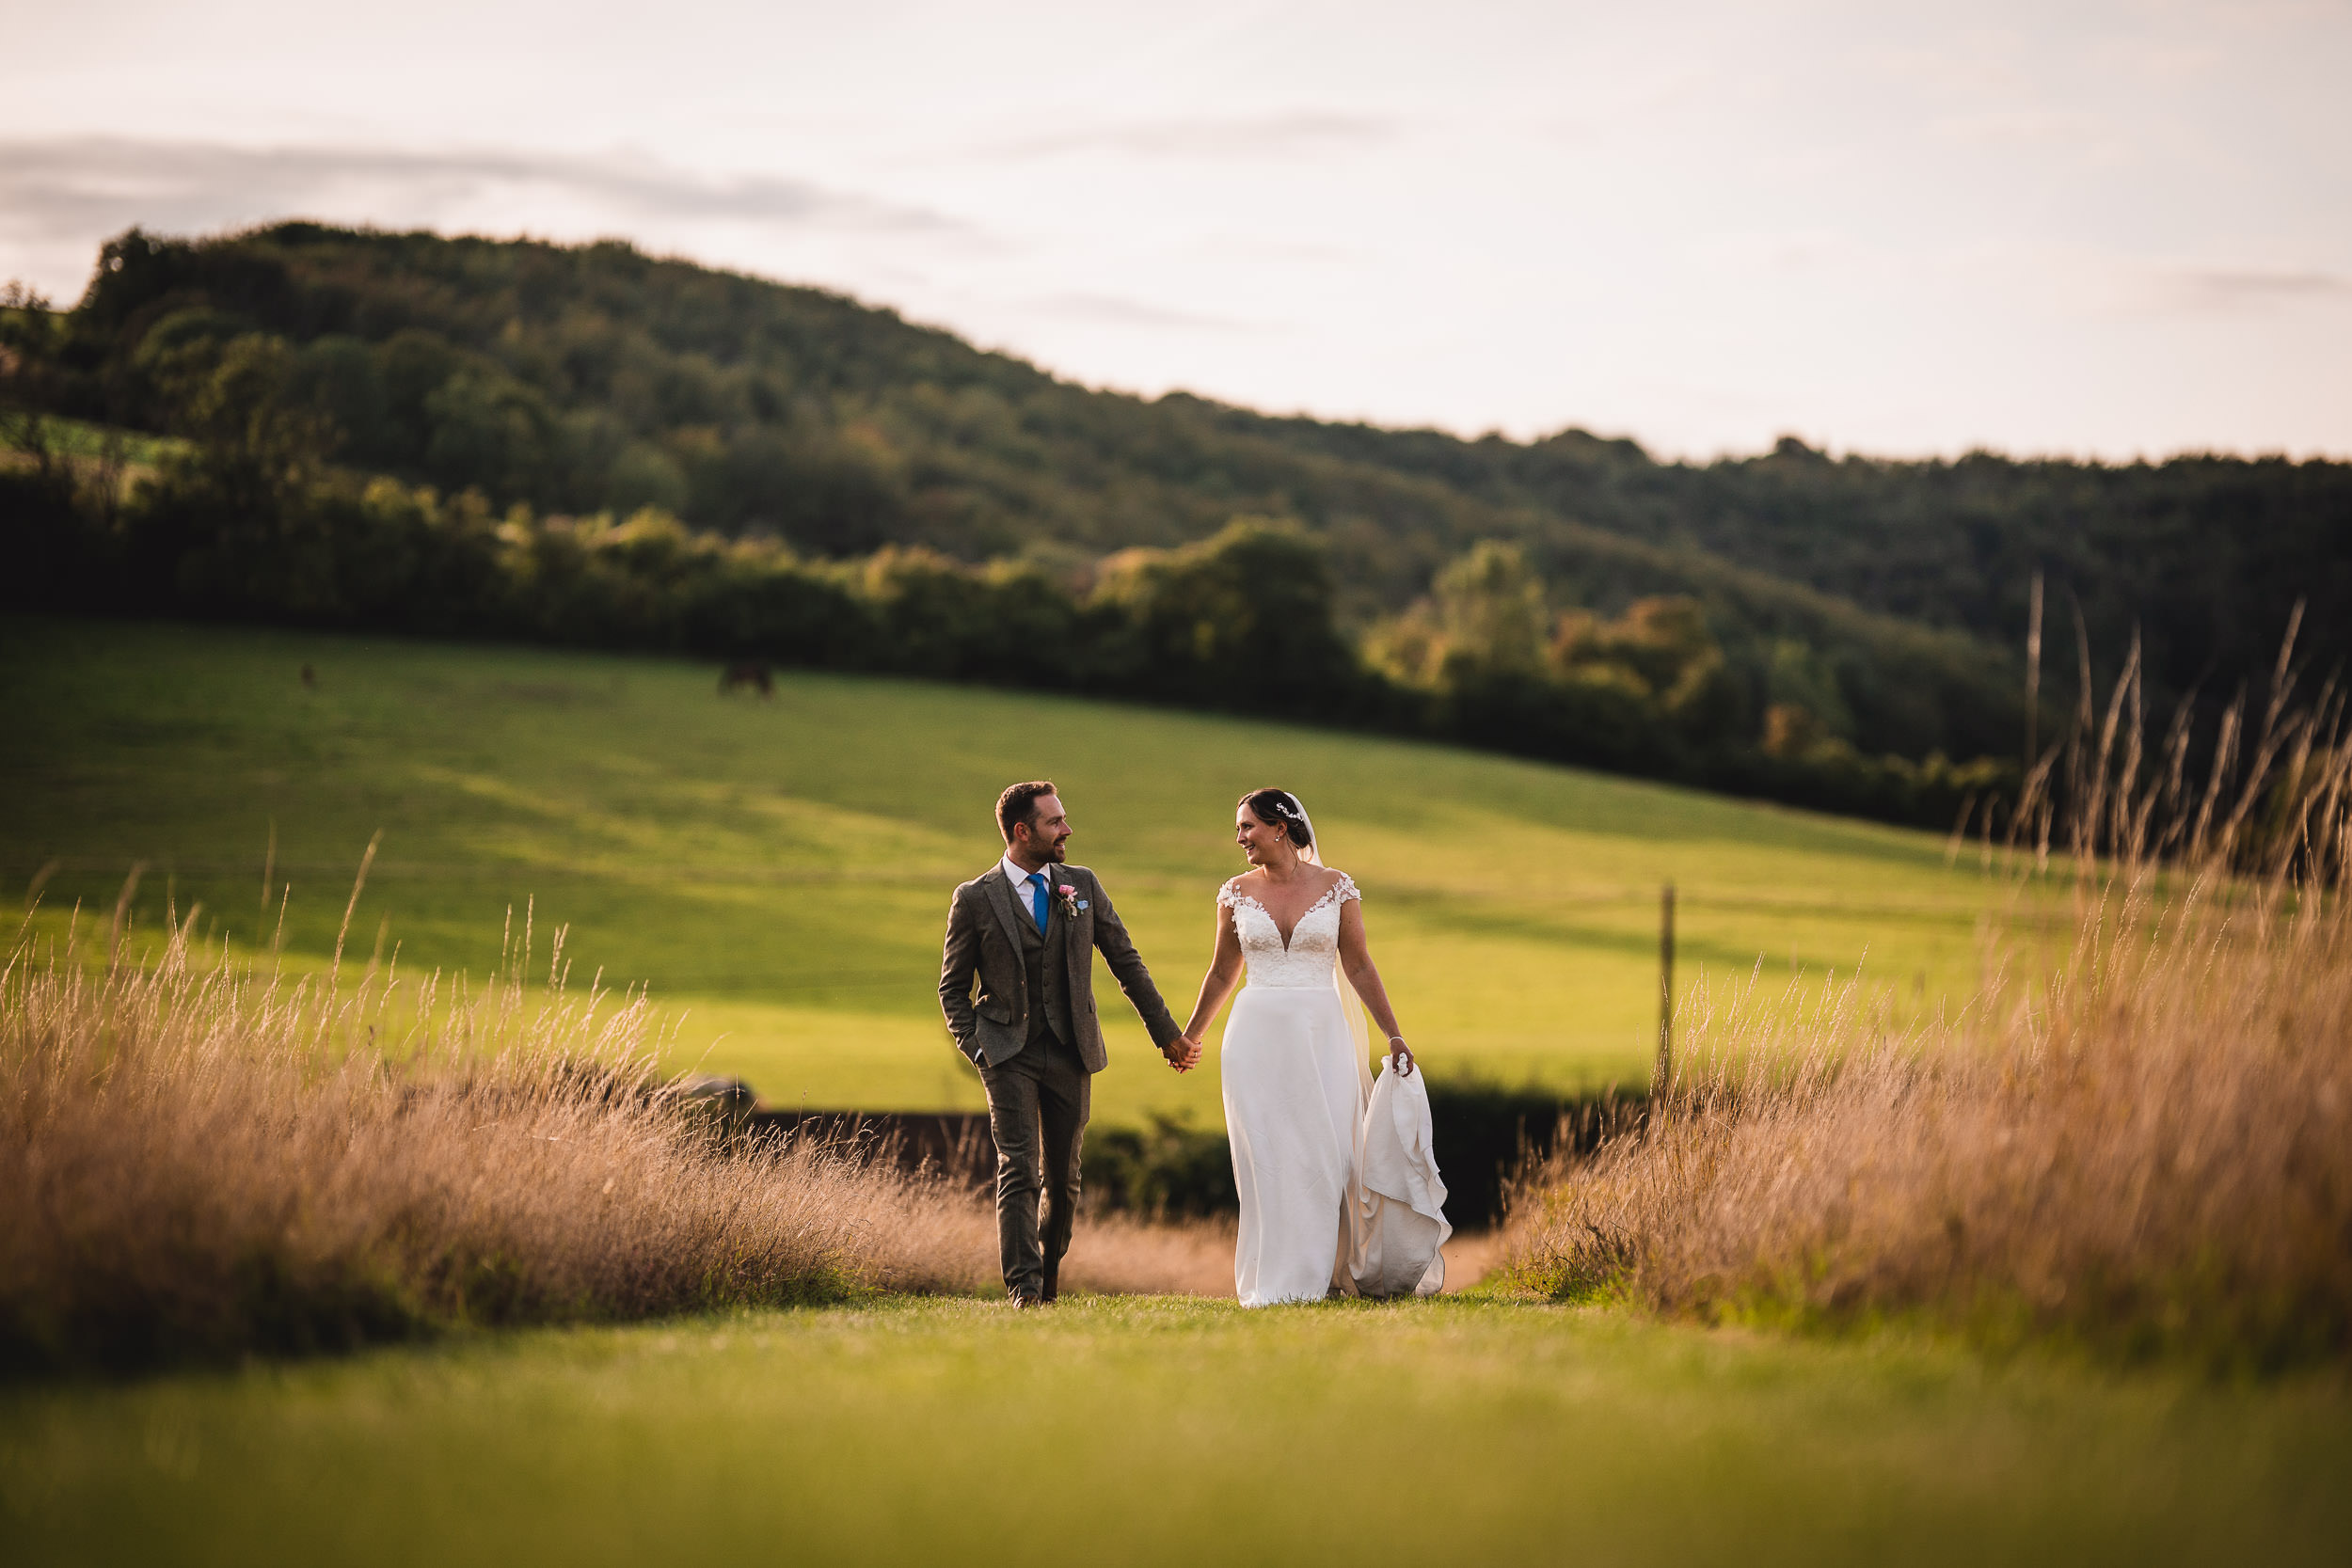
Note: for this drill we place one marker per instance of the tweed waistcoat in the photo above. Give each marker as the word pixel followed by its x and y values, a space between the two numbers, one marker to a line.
pixel 1046 960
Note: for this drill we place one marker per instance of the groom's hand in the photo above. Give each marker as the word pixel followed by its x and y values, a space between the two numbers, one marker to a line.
pixel 1182 1052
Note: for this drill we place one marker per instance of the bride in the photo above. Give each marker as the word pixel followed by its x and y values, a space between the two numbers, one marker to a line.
pixel 1338 1188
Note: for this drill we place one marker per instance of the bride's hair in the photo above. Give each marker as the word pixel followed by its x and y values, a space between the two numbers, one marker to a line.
pixel 1279 808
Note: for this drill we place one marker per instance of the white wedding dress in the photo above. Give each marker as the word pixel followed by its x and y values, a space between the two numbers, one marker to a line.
pixel 1296 1096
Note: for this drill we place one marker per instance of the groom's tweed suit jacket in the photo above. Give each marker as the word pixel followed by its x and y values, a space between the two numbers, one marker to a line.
pixel 983 983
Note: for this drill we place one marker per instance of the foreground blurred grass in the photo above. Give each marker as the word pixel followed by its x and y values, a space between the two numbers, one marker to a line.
pixel 1158 1430
pixel 779 870
pixel 199 1169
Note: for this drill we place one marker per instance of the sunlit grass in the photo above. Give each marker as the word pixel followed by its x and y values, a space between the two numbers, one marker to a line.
pixel 779 870
pixel 1160 1431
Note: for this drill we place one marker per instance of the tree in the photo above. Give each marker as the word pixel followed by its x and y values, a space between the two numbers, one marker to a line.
pixel 1490 606
pixel 1240 621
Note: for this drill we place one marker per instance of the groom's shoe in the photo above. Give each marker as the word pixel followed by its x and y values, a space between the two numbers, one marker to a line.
pixel 1053 1287
pixel 1022 1302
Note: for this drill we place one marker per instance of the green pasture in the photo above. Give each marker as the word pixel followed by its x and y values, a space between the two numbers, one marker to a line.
pixel 86 442
pixel 1141 1430
pixel 777 871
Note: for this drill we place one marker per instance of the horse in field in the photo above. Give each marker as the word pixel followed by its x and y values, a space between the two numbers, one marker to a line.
pixel 747 671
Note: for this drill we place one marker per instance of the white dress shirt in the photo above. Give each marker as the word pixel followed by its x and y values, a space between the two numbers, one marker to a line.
pixel 1024 890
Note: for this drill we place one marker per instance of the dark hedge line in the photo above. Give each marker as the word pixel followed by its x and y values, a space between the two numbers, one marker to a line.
pixel 1491 1136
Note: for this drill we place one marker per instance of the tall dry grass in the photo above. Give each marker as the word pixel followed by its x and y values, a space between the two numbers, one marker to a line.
pixel 2140 1142
pixel 199 1162
pixel 1132 1255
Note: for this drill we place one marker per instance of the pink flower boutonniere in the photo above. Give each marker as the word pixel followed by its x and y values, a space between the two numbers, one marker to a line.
pixel 1068 896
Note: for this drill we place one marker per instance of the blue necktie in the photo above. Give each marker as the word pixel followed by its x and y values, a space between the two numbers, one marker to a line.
pixel 1037 878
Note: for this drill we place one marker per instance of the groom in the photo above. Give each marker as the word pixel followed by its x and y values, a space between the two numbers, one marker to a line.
pixel 1017 984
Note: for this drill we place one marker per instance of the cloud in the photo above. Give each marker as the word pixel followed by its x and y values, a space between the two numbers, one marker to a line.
pixel 2028 128
pixel 1258 136
pixel 1808 251
pixel 80 189
pixel 2237 288
pixel 1112 311
pixel 2090 282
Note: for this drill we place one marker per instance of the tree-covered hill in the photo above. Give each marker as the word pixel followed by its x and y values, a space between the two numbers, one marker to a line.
pixel 1787 602
pixel 2205 555
pixel 597 379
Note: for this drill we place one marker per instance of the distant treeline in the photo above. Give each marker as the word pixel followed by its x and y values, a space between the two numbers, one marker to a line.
pixel 1851 607
pixel 1242 621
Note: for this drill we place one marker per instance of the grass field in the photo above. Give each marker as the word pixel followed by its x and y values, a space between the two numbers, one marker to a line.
pixel 1164 1430
pixel 778 871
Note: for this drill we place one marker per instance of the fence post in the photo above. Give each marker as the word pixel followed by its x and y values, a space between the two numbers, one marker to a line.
pixel 1662 1070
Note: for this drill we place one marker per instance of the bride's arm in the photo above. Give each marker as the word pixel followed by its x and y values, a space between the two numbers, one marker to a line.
pixel 1223 976
pixel 1356 960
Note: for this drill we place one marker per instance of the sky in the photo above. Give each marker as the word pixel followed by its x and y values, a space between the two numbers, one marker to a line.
pixel 2083 229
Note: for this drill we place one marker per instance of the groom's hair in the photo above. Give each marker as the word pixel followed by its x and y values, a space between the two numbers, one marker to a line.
pixel 1017 804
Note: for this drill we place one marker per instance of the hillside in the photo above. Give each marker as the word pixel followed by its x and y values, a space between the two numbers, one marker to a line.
pixel 613 379
pixel 1876 605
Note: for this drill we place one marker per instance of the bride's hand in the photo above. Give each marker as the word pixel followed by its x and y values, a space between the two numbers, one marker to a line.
pixel 1400 1058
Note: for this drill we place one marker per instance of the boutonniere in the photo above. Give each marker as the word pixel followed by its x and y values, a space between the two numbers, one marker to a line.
pixel 1070 904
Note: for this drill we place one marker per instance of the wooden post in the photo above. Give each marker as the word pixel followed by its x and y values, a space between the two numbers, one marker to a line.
pixel 1662 1071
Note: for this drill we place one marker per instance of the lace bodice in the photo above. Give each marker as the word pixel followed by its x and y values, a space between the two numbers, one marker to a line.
pixel 1314 944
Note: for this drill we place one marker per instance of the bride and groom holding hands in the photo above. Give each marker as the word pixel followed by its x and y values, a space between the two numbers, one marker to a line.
pixel 1338 1184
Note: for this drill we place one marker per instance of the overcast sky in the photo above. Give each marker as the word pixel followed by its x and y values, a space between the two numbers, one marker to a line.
pixel 2059 228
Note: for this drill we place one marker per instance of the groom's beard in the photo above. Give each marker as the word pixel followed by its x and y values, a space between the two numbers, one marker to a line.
pixel 1058 854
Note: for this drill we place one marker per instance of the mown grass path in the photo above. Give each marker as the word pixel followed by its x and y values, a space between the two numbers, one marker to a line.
pixel 780 869
pixel 1165 1431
